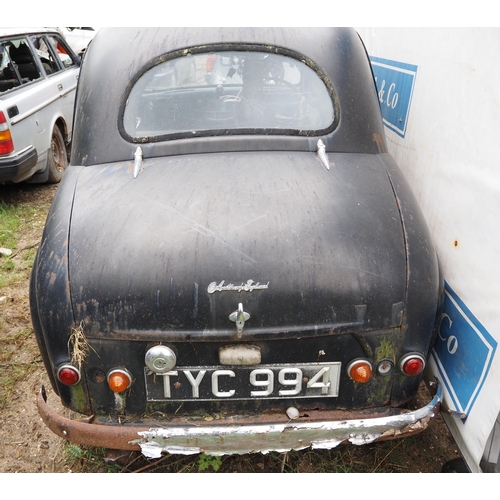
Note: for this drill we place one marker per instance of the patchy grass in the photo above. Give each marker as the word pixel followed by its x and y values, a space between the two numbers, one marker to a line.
pixel 9 228
pixel 12 220
pixel 88 459
pixel 9 225
pixel 20 232
pixel 19 357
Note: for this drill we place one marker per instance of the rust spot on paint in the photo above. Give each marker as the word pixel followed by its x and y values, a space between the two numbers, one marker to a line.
pixel 379 141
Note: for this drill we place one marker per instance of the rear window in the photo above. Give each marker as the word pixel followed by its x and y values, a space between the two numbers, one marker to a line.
pixel 228 92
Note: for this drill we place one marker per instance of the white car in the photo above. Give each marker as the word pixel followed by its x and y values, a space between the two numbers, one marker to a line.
pixel 38 77
pixel 78 38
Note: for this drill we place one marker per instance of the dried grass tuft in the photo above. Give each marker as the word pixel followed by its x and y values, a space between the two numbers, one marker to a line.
pixel 78 346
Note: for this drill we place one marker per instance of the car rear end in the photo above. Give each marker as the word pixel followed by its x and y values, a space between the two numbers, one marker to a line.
pixel 237 286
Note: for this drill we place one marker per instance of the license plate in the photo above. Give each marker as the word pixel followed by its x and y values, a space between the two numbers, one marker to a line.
pixel 205 383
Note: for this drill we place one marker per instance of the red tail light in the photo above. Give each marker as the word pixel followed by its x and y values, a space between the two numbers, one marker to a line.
pixel 6 144
pixel 412 364
pixel 68 375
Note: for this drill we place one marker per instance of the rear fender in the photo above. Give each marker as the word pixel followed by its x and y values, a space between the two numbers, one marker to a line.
pixel 50 285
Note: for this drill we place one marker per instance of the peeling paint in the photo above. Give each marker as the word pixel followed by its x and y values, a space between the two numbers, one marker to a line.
pixel 240 436
pixel 264 438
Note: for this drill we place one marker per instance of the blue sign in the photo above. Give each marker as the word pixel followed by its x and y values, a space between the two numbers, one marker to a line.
pixel 395 82
pixel 463 352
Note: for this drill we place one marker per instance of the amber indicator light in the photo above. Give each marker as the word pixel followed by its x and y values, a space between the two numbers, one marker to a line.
pixel 360 371
pixel 6 144
pixel 119 380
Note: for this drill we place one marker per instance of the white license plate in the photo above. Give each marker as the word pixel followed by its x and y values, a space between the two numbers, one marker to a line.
pixel 204 383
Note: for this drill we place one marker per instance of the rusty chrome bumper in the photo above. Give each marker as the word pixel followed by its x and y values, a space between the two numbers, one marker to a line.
pixel 225 437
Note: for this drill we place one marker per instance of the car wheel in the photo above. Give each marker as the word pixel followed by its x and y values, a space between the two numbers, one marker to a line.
pixel 58 157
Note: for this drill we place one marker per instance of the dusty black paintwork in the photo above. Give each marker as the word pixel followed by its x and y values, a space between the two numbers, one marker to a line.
pixel 346 253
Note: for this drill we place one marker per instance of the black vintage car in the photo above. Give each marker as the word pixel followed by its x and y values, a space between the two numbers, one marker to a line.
pixel 233 262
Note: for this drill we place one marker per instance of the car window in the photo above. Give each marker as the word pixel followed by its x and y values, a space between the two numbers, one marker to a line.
pixel 17 64
pixel 49 61
pixel 60 48
pixel 229 91
pixel 52 53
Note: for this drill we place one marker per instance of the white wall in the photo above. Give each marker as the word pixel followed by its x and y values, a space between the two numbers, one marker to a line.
pixel 450 153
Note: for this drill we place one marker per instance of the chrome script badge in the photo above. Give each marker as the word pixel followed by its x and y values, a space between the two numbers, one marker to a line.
pixel 249 286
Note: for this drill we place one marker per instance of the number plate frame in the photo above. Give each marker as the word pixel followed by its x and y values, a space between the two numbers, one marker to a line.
pixel 282 381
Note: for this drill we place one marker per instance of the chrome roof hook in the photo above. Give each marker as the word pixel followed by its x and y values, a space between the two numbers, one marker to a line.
pixel 137 161
pixel 322 154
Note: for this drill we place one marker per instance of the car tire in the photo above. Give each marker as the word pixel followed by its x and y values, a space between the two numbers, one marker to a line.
pixel 457 465
pixel 58 157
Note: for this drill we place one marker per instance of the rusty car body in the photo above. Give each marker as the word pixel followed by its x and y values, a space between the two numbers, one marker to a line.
pixel 233 264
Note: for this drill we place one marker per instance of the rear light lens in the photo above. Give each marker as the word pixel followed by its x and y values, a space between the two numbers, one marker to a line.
pixel 6 144
pixel 412 364
pixel 360 370
pixel 68 375
pixel 385 367
pixel 119 380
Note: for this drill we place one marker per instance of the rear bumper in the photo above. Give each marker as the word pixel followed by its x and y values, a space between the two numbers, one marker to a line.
pixel 17 167
pixel 318 429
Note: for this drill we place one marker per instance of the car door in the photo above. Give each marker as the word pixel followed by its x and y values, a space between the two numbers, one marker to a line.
pixel 21 79
pixel 60 66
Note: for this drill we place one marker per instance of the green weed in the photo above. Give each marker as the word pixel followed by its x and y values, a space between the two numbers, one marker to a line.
pixel 88 459
pixel 208 461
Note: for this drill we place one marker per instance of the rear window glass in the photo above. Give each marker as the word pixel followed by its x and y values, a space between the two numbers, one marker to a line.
pixel 230 91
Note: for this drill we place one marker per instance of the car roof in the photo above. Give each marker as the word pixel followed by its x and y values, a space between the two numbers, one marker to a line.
pixel 131 45
pixel 117 55
pixel 10 32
